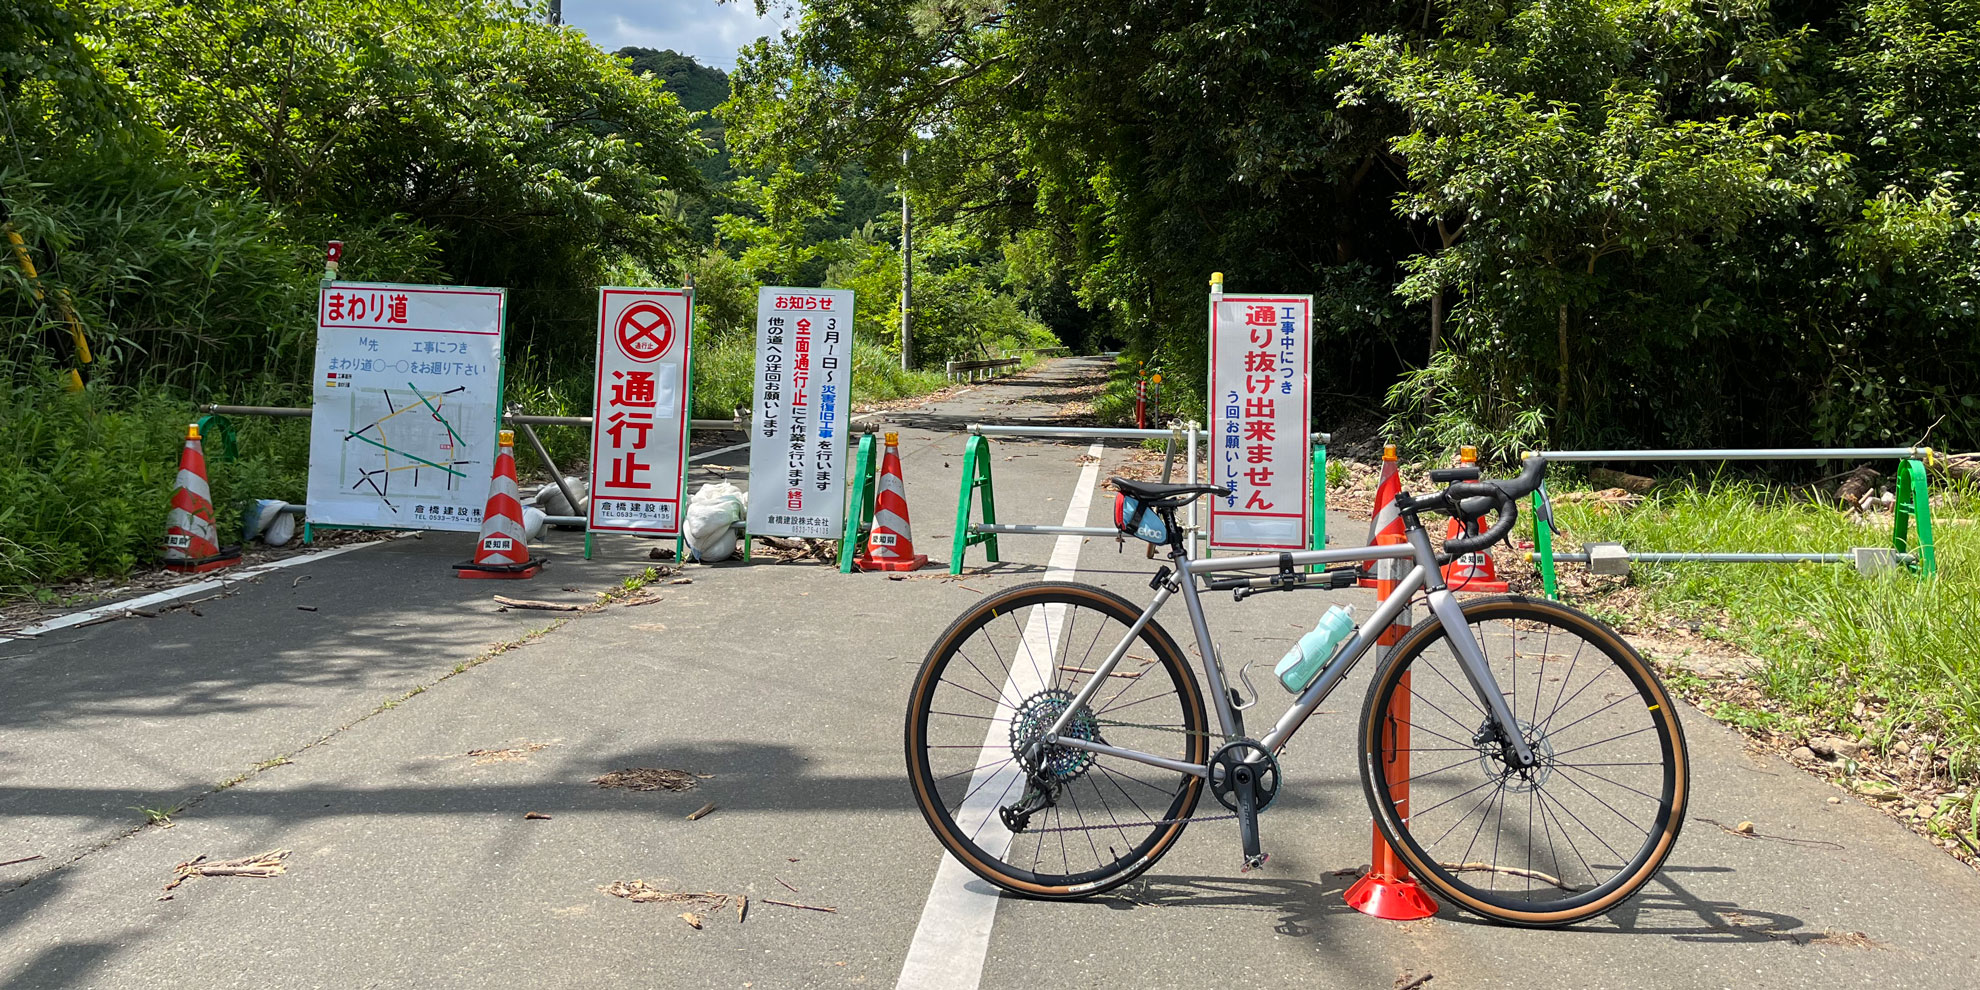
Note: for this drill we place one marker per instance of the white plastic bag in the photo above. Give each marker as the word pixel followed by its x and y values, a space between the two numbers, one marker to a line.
pixel 711 518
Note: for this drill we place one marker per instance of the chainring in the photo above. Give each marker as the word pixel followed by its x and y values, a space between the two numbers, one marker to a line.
pixel 1262 765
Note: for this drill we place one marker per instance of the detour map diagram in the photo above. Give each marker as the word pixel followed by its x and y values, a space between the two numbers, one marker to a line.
pixel 413 451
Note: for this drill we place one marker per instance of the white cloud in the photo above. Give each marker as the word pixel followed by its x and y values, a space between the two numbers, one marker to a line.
pixel 709 31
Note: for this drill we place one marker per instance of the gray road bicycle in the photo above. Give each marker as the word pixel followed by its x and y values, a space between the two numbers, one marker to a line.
pixel 1058 743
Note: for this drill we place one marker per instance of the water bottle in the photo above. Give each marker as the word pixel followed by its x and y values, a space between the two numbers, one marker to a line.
pixel 1305 661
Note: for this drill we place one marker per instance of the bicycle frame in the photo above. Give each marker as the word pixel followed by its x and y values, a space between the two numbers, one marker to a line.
pixel 1423 574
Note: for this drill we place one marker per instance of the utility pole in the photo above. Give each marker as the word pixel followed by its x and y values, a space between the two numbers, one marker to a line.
pixel 907 272
pixel 556 12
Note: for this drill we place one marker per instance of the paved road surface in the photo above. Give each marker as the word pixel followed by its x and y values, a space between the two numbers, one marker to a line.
pixel 412 864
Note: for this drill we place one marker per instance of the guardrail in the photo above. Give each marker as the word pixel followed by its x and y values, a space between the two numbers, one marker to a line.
pixel 977 370
pixel 977 483
pixel 1911 535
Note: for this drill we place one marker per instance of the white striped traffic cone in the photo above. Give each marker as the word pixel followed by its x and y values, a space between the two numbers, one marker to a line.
pixel 502 551
pixel 890 547
pixel 1383 519
pixel 191 542
pixel 1472 571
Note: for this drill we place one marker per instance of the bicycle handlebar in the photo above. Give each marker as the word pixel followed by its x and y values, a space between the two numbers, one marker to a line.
pixel 1470 500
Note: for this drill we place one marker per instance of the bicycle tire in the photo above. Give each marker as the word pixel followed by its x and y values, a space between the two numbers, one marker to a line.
pixel 975 843
pixel 1658 770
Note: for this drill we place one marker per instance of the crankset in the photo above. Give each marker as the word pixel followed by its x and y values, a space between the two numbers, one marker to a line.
pixel 1244 776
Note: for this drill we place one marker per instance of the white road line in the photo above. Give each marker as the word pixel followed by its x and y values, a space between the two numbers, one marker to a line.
pixel 704 455
pixel 954 935
pixel 173 594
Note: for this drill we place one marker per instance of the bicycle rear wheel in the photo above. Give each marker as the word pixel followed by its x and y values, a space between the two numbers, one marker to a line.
pixel 1066 822
pixel 1564 840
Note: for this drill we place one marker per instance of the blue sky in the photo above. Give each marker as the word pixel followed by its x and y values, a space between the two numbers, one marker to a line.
pixel 709 31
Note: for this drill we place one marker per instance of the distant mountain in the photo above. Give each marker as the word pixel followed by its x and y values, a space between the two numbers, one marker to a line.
pixel 697 86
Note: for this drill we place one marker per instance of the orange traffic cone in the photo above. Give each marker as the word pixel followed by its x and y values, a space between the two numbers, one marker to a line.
pixel 1472 571
pixel 1383 519
pixel 191 542
pixel 502 551
pixel 890 547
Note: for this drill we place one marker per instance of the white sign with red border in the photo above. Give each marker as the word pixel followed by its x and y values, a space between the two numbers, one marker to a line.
pixel 408 387
pixel 1260 393
pixel 802 412
pixel 639 425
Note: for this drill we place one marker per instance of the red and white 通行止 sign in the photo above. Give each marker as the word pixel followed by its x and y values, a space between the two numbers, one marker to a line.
pixel 640 414
pixel 1260 393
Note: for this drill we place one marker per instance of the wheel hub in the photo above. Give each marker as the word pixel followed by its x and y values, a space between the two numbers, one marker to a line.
pixel 1497 758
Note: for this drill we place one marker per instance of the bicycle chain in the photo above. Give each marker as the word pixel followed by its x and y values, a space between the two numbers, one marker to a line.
pixel 1148 823
pixel 1126 825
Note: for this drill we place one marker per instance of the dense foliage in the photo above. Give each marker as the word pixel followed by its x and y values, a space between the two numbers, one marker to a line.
pixel 1652 222
pixel 174 169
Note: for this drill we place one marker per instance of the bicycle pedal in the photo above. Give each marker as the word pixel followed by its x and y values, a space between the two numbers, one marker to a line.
pixel 1254 862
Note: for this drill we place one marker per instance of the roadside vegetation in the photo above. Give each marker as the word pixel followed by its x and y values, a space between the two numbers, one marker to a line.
pixel 1888 663
pixel 174 171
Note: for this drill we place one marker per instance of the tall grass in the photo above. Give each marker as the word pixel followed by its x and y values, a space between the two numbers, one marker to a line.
pixel 89 477
pixel 1908 649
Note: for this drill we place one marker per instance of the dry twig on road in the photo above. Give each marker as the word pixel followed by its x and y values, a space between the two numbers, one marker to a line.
pixel 651 779
pixel 507 602
pixel 268 864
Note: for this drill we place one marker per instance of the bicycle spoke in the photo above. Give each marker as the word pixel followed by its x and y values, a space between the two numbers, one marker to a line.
pixel 1617 783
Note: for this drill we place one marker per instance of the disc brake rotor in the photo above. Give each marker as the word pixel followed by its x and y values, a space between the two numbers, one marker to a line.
pixel 1492 759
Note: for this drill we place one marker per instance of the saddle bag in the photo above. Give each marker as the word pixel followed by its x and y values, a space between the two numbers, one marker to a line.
pixel 1133 518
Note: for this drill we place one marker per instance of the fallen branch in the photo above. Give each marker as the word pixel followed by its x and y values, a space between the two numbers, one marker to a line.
pixel 802 907
pixel 701 812
pixel 1510 871
pixel 30 859
pixel 507 602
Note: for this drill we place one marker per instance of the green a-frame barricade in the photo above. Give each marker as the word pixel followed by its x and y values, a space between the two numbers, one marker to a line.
pixel 977 485
pixel 975 478
pixel 1914 510
pixel 859 508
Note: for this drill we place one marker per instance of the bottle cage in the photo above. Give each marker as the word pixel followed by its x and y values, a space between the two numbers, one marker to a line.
pixel 1133 518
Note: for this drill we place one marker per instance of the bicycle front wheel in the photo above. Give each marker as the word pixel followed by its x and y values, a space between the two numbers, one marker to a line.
pixel 1054 821
pixel 1561 841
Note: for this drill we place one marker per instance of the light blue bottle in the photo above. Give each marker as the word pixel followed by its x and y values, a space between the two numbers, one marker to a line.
pixel 1305 661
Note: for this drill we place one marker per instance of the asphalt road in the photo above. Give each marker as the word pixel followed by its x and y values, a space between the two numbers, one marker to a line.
pixel 411 863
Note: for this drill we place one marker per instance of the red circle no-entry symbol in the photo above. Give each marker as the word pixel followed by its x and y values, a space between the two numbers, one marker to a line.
pixel 645 331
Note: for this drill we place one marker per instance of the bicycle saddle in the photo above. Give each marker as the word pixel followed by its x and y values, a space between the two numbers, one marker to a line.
pixel 1158 495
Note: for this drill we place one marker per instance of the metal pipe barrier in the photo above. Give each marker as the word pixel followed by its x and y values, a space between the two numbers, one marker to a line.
pixel 525 423
pixel 1911 535
pixel 977 484
pixel 738 423
pixel 1101 432
pixel 1751 454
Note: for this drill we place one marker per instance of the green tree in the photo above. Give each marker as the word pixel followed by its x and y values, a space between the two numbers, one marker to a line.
pixel 532 157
